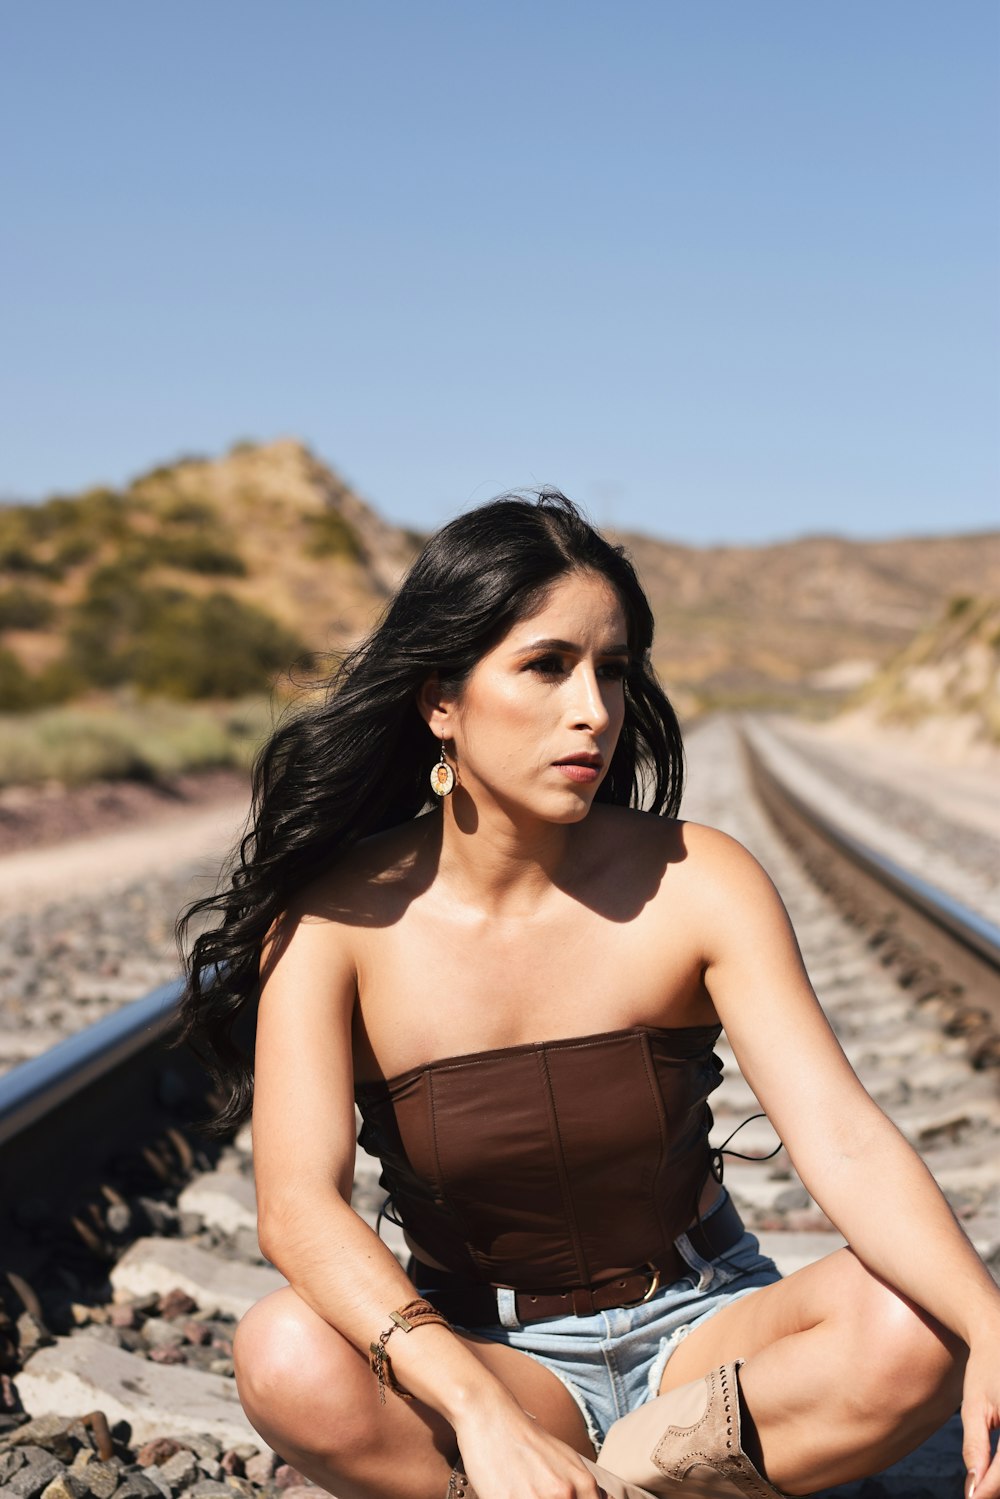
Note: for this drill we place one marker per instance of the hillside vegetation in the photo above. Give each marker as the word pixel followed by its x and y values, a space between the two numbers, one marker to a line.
pixel 947 677
pixel 203 579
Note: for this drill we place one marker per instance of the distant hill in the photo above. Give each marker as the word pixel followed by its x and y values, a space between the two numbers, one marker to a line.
pixel 947 680
pixel 802 621
pixel 203 578
pixel 200 579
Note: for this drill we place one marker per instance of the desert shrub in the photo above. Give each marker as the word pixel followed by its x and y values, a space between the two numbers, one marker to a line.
pixel 330 535
pixel 73 549
pixel 194 552
pixel 216 646
pixel 140 740
pixel 173 643
pixel 17 691
pixel 24 609
pixel 186 511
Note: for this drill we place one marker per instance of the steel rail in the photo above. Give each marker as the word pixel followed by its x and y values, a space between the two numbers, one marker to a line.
pixel 943 950
pixel 37 1087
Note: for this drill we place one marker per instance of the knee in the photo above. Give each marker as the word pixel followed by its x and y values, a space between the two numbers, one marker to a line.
pixel 294 1373
pixel 909 1358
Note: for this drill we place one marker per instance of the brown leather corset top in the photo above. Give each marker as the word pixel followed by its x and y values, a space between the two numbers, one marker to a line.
pixel 560 1163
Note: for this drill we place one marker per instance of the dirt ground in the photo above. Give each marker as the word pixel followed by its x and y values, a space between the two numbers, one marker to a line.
pixel 56 844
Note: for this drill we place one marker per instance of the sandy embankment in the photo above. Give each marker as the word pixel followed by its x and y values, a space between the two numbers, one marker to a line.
pixel 961 781
pixel 158 835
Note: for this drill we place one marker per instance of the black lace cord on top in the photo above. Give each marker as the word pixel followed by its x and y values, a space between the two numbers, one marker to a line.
pixel 387 1211
pixel 717 1163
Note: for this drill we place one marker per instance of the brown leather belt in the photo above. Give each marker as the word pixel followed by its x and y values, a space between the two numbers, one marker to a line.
pixel 471 1305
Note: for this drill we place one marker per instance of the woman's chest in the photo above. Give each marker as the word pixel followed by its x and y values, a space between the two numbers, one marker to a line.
pixel 445 985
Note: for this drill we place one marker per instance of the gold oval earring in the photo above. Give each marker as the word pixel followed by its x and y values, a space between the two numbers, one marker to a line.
pixel 442 776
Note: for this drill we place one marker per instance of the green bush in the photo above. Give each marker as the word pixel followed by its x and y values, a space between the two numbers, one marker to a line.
pixel 195 552
pixel 185 511
pixel 329 535
pixel 24 609
pixel 144 741
pixel 17 690
pixel 172 643
pixel 210 647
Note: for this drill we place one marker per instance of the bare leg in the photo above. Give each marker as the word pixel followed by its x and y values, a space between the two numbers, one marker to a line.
pixel 842 1378
pixel 312 1397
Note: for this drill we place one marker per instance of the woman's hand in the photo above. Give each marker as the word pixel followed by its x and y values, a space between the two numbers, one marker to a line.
pixel 508 1455
pixel 981 1416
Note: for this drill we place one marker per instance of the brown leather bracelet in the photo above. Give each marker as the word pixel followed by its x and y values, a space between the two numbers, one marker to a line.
pixel 414 1314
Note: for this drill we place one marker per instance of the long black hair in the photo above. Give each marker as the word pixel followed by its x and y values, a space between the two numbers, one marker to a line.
pixel 357 760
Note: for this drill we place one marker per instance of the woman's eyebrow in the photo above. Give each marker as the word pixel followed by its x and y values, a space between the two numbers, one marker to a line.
pixel 573 648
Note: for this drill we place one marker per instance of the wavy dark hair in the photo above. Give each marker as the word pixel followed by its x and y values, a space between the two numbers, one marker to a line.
pixel 357 760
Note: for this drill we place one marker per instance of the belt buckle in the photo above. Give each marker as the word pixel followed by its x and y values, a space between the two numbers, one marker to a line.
pixel 651 1290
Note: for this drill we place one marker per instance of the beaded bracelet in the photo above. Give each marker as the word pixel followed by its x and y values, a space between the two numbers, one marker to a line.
pixel 413 1314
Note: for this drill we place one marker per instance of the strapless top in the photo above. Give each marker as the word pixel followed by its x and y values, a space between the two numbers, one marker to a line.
pixel 556 1163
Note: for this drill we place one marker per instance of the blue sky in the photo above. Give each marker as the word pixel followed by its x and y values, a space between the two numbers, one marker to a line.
pixel 720 270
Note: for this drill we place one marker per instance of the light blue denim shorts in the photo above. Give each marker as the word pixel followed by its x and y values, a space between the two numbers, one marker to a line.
pixel 613 1361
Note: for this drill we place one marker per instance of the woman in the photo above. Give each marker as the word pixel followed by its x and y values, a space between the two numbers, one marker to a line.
pixel 522 989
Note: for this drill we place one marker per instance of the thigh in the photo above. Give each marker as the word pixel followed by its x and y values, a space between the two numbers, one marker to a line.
pixel 762 1317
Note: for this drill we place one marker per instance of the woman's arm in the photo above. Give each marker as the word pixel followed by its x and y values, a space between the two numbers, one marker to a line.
pixel 852 1159
pixel 304 1151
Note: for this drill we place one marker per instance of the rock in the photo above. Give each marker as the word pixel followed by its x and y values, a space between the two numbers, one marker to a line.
pixel 31 1334
pixel 101 1332
pixel 30 1481
pixel 156 1451
pixel 126 1315
pixel 163 1264
pixel 286 1477
pixel 137 1486
pixel 232 1464
pixel 245 1451
pixel 223 1366
pixel 171 1356
pixel 262 1468
pixel 791 1200
pixel 101 1479
pixel 211 1468
pixel 77 1374
pixel 177 1303
pixel 159 1333
pixel 224 1199
pixel 10 1461
pixel 201 1444
pixel 208 1488
pixel 119 1218
pixel 65 1486
pixel 197 1332
pixel 154 1475
pixel 161 1217
pixel 180 1470
pixel 48 1433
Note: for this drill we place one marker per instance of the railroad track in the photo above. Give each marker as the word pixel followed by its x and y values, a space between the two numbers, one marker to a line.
pixel 125 1233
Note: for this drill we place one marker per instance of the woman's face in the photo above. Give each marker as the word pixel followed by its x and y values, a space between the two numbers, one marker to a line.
pixel 537 720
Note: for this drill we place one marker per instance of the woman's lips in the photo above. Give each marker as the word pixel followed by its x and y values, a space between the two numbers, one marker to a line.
pixel 577 772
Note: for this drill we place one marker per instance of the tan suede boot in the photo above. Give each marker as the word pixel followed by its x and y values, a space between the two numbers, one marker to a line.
pixel 688 1441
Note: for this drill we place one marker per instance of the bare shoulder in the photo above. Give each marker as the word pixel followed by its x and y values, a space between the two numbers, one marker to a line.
pixel 365 887
pixel 703 855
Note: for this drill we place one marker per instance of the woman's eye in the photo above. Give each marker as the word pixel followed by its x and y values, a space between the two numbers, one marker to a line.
pixel 547 666
pixel 616 670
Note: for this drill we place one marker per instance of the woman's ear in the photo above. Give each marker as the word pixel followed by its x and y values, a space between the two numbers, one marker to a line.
pixel 435 708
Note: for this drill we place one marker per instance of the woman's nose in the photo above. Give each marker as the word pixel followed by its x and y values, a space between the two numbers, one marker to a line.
pixel 589 707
